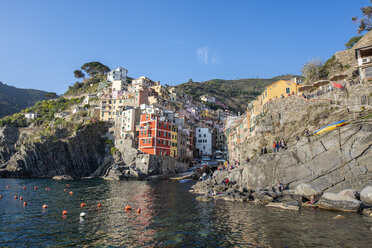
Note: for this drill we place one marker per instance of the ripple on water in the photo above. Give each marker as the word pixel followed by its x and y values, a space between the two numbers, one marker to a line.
pixel 170 217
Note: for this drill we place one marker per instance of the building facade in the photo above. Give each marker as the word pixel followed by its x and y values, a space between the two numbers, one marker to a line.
pixel 119 73
pixel 203 144
pixel 155 135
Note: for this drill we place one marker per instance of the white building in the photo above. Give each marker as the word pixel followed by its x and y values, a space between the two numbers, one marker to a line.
pixel 119 85
pixel 208 98
pixel 141 83
pixel 130 118
pixel 203 140
pixel 151 109
pixel 364 57
pixel 119 73
pixel 30 116
pixel 172 97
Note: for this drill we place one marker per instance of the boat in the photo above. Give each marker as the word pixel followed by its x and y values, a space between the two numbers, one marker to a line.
pixel 330 127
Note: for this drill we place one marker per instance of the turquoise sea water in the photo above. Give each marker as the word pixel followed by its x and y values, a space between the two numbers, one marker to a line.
pixel 170 217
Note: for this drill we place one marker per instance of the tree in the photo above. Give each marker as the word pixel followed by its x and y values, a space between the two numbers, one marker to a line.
pixel 365 23
pixel 50 95
pixel 79 74
pixel 353 41
pixel 94 68
pixel 312 70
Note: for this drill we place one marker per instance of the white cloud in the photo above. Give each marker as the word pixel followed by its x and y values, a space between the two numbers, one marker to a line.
pixel 202 53
pixel 203 56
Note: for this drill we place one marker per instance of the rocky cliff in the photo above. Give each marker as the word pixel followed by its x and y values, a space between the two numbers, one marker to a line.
pixel 84 154
pixel 78 156
pixel 337 160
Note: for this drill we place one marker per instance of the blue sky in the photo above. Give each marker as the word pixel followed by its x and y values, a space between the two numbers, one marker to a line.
pixel 43 42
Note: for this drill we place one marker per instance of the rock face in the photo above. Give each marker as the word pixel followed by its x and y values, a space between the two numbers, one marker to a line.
pixel 76 156
pixel 366 195
pixel 306 191
pixel 83 155
pixel 337 160
pixel 334 201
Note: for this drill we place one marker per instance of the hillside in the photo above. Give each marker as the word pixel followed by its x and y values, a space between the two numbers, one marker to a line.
pixel 235 93
pixel 13 100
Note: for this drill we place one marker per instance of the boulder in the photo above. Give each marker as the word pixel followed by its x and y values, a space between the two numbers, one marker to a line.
pixel 334 201
pixel 306 191
pixel 204 198
pixel 366 196
pixel 350 193
pixel 63 177
pixel 282 206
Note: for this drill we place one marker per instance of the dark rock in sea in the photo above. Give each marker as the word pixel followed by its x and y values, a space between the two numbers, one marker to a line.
pixel 334 201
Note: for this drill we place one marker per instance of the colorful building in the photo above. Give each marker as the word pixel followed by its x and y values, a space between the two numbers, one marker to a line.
pixel 174 141
pixel 155 135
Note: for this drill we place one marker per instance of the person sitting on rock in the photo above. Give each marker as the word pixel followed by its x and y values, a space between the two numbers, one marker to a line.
pixel 312 199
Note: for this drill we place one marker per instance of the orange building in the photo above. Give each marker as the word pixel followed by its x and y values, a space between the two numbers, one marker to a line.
pixel 155 135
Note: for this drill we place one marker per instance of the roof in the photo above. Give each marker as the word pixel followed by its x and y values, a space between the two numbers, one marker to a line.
pixel 279 82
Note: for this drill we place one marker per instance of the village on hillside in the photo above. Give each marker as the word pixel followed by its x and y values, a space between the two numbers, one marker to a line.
pixel 163 121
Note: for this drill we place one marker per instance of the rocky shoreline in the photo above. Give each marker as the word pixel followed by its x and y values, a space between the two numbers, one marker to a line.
pixel 347 200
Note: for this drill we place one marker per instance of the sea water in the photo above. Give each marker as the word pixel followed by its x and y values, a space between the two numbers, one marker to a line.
pixel 170 217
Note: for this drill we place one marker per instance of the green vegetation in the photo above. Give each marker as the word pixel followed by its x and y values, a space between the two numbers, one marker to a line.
pixel 353 41
pixel 94 68
pixel 45 112
pixel 13 100
pixel 234 93
pixel 365 23
pixel 315 69
pixel 113 150
pixel 88 86
pixel 79 74
pixel 51 95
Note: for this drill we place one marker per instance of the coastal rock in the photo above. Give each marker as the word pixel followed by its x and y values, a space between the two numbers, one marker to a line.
pixel 306 191
pixel 330 162
pixel 334 201
pixel 63 177
pixel 283 206
pixel 350 193
pixel 204 198
pixel 366 196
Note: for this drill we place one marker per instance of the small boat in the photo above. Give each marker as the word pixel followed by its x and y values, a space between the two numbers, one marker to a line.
pixel 185 180
pixel 330 127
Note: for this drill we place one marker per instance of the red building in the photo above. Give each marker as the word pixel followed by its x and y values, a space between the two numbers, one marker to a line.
pixel 155 135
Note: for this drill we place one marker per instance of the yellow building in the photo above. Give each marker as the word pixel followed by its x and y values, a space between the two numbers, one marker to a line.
pixel 206 113
pixel 279 89
pixel 174 141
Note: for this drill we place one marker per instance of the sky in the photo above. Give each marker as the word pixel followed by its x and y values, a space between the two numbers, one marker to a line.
pixel 42 41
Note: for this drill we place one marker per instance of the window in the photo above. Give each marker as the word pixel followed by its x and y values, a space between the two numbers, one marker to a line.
pixel 144 141
pixel 199 141
pixel 165 125
pixel 368 72
pixel 287 90
pixel 145 132
pixel 203 147
pixel 159 124
pixel 199 135
pixel 205 135
pixel 103 114
pixel 147 117
pixel 141 132
pixel 158 142
pixel 159 133
pixel 149 141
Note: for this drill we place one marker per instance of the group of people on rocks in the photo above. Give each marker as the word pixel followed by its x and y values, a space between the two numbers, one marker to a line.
pixel 279 144
pixel 263 150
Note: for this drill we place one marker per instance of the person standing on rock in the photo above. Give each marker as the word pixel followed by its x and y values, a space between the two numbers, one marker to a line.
pixel 274 146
